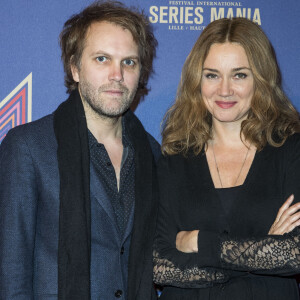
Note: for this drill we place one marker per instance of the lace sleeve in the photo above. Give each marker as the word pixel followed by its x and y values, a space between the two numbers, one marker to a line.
pixel 166 273
pixel 269 255
pixel 278 254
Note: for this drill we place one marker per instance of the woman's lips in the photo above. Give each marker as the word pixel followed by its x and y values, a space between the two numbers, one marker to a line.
pixel 225 104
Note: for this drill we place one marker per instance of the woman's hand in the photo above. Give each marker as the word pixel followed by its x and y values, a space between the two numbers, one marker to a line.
pixel 187 241
pixel 287 219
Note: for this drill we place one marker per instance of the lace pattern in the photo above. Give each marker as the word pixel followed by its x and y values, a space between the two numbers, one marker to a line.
pixel 269 253
pixel 166 273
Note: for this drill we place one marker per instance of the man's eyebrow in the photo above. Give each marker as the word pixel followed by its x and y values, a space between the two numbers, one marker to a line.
pixel 132 57
pixel 100 52
pixel 103 53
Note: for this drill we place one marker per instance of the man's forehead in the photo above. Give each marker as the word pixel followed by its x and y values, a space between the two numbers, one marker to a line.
pixel 104 26
pixel 109 33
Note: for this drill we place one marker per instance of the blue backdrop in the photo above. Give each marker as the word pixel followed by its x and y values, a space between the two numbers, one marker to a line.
pixel 32 74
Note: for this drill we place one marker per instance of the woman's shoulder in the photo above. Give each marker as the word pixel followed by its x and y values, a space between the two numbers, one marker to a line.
pixel 184 158
pixel 293 142
pixel 289 152
pixel 166 163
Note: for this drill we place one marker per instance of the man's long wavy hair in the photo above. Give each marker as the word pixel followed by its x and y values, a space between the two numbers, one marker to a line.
pixel 73 36
pixel 272 117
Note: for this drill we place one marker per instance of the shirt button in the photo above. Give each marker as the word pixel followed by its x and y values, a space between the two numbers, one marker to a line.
pixel 108 164
pixel 118 293
pixel 122 250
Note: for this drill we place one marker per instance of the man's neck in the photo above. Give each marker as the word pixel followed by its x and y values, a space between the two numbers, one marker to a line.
pixel 105 129
pixel 102 127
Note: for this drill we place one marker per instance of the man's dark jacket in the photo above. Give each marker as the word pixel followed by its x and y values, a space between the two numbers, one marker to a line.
pixel 29 215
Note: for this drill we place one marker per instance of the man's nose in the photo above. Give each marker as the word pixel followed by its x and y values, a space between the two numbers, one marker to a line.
pixel 116 72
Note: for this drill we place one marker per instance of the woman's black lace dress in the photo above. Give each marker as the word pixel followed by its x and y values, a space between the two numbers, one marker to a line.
pixel 236 258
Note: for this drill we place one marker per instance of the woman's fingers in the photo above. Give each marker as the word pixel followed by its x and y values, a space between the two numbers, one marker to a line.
pixel 292 227
pixel 287 219
pixel 284 207
pixel 287 226
pixel 290 223
pixel 288 213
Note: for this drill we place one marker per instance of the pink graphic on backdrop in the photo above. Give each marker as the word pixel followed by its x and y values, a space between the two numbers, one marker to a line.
pixel 16 108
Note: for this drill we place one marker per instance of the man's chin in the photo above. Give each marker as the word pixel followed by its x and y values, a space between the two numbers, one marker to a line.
pixel 112 113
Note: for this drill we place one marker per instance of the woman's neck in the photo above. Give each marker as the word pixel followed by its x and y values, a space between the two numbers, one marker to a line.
pixel 227 134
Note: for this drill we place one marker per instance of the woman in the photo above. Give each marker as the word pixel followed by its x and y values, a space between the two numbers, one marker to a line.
pixel 232 157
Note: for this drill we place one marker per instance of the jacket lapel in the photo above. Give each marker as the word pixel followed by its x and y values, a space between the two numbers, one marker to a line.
pixel 98 192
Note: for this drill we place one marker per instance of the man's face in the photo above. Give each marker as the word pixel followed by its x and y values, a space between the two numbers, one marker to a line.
pixel 109 70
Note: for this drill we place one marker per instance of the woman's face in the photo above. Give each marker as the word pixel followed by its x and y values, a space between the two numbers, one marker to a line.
pixel 227 83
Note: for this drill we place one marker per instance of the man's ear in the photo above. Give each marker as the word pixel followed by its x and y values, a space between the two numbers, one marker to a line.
pixel 75 73
pixel 74 70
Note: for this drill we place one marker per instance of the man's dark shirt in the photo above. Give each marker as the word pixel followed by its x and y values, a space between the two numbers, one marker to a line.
pixel 122 200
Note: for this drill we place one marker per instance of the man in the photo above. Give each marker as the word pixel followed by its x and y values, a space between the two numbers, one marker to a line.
pixel 78 194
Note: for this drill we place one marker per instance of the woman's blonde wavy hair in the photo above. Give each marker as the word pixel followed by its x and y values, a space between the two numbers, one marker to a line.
pixel 272 117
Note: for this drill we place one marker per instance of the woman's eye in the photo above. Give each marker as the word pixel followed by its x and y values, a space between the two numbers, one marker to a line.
pixel 101 58
pixel 240 75
pixel 211 75
pixel 129 62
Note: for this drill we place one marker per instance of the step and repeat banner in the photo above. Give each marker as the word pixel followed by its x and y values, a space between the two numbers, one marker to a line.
pixel 32 78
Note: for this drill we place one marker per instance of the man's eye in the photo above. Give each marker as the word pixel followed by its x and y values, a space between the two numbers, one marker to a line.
pixel 101 58
pixel 129 62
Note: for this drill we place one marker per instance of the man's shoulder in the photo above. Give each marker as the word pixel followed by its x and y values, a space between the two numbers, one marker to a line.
pixel 137 129
pixel 155 146
pixel 44 123
pixel 36 131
